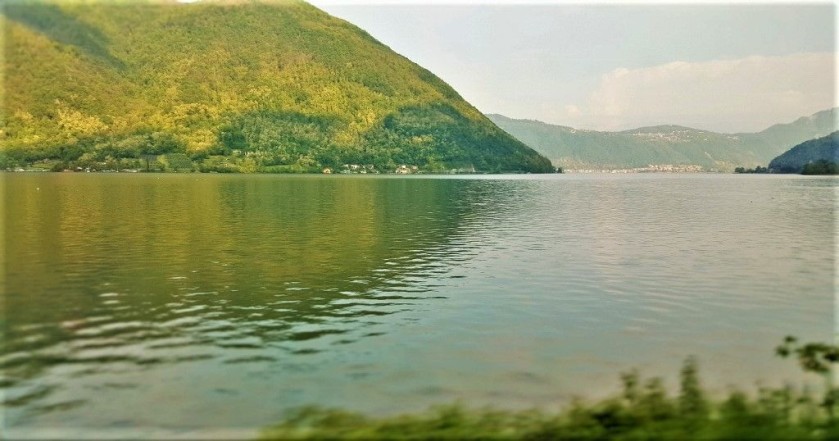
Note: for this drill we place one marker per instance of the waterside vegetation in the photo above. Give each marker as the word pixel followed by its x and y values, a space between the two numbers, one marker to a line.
pixel 758 170
pixel 643 410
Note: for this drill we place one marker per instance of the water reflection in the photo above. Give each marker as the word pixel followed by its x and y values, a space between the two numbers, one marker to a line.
pixel 115 273
pixel 155 301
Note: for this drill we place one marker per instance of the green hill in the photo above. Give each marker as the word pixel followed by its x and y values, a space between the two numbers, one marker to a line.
pixel 680 146
pixel 816 156
pixel 228 86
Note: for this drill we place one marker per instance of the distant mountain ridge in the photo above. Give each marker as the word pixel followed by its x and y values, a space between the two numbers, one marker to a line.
pixel 228 85
pixel 572 148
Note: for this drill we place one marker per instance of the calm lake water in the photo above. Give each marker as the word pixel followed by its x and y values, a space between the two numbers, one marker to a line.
pixel 209 305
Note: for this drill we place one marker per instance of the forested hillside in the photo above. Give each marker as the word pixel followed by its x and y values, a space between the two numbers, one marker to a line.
pixel 228 86
pixel 818 157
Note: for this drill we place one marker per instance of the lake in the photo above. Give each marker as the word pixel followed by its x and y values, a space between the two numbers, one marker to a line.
pixel 148 305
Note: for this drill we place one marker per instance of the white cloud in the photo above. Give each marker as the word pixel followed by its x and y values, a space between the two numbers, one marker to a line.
pixel 747 94
pixel 573 111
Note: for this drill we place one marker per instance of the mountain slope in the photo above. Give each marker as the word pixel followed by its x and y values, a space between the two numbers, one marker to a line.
pixel 809 152
pixel 229 86
pixel 575 149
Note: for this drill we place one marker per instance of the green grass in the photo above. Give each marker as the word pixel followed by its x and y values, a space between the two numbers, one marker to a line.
pixel 642 411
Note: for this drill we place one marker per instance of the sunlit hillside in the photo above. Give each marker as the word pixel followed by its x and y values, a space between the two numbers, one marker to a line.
pixel 228 86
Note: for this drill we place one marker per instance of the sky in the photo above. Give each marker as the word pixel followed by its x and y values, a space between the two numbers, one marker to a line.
pixel 607 66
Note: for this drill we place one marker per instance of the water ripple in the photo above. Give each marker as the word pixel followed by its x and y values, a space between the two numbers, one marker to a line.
pixel 173 296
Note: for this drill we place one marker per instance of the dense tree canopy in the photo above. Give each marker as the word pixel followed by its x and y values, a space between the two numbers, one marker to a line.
pixel 232 87
pixel 818 156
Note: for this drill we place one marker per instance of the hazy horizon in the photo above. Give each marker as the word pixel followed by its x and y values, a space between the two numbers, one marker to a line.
pixel 725 68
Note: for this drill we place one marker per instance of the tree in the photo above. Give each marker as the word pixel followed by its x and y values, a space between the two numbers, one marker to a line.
pixel 692 402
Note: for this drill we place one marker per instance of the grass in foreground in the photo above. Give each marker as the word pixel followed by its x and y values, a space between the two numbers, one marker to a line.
pixel 644 410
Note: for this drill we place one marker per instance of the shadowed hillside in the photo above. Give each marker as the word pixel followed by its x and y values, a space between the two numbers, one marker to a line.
pixel 816 157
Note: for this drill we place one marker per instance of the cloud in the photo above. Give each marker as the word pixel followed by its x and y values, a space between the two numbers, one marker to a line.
pixel 747 94
pixel 573 111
